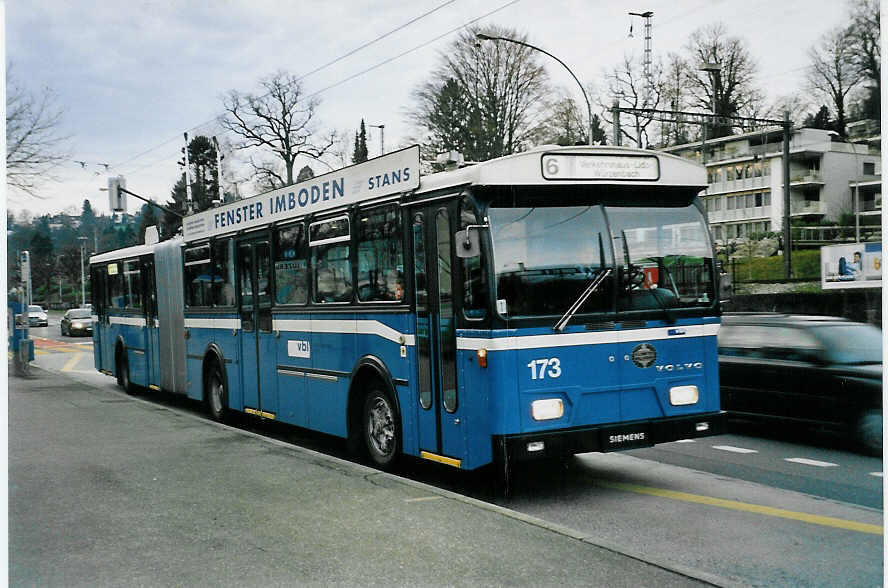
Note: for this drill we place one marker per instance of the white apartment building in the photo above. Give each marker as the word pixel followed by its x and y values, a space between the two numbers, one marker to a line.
pixel 745 174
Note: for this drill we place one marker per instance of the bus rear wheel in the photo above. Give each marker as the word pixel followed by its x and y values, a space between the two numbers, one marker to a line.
pixel 382 430
pixel 217 396
pixel 123 375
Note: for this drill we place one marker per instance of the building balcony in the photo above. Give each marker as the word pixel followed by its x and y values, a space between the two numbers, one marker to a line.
pixel 805 207
pixel 755 213
pixel 729 186
pixel 806 178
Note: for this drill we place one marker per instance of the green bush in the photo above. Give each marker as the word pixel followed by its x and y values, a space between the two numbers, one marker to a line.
pixel 805 264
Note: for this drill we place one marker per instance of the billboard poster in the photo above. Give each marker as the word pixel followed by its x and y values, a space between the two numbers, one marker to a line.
pixel 855 265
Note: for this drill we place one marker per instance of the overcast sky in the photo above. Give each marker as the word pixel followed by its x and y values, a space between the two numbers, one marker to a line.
pixel 133 76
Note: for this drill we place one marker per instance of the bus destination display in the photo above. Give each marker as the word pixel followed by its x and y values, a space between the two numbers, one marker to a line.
pixel 581 166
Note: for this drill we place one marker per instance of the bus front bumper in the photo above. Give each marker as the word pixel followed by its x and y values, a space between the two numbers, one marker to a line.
pixel 609 437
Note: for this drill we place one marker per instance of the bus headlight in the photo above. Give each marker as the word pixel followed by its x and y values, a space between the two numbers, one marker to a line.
pixel 683 395
pixel 547 409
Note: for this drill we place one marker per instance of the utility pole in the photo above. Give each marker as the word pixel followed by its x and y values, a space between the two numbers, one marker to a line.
pixel 647 52
pixel 219 158
pixel 787 231
pixel 82 276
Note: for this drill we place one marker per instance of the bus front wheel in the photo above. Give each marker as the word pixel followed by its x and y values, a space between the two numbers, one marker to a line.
pixel 382 431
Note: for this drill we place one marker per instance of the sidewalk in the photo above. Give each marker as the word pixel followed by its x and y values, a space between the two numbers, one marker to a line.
pixel 110 490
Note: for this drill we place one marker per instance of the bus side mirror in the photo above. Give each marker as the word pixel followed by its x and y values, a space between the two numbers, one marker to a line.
pixel 468 244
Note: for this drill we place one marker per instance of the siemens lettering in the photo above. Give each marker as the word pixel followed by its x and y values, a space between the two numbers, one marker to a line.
pixel 238 215
pixel 395 176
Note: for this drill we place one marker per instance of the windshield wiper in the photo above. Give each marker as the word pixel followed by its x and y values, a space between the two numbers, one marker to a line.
pixel 599 279
pixel 596 282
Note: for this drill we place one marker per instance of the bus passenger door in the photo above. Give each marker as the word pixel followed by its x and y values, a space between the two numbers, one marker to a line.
pixel 149 296
pixel 440 420
pixel 258 353
pixel 97 290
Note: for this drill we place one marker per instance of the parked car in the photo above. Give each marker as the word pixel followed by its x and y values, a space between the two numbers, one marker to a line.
pixel 816 370
pixel 37 316
pixel 77 321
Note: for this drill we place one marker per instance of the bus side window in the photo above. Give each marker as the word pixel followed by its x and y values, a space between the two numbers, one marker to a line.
pixel 132 284
pixel 331 260
pixel 380 255
pixel 475 282
pixel 223 273
pixel 115 286
pixel 198 275
pixel 290 265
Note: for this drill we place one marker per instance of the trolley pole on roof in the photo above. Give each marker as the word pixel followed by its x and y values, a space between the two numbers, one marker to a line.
pixel 188 205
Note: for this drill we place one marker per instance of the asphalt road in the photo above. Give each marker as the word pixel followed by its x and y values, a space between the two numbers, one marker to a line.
pixel 755 510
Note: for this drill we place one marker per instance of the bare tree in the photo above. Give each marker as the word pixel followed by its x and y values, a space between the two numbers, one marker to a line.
pixel 483 99
pixel 566 123
pixel 626 83
pixel 832 72
pixel 281 119
pixel 34 144
pixel 720 75
pixel 864 35
pixel 675 98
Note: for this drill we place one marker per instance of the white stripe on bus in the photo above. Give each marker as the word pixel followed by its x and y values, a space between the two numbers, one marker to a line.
pixel 212 323
pixel 586 338
pixel 346 327
pixel 127 320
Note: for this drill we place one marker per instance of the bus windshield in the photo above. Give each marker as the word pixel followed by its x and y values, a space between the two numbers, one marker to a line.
pixel 545 257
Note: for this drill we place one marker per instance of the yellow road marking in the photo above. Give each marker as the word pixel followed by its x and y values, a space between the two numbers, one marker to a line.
pixel 72 362
pixel 747 507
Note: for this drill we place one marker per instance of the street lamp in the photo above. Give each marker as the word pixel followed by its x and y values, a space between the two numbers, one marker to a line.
pixel 381 137
pixel 82 278
pixel 485 37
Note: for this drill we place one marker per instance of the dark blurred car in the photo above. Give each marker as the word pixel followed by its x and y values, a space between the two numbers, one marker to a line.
pixel 815 370
pixel 37 316
pixel 77 321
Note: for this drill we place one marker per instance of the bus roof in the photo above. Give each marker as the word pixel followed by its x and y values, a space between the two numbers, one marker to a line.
pixel 130 252
pixel 590 165
pixel 398 173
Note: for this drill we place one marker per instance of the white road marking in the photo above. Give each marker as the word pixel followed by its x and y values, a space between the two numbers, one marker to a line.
pixel 812 462
pixel 685 441
pixel 734 449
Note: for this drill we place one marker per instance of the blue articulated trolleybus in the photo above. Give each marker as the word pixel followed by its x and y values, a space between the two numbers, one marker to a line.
pixel 553 302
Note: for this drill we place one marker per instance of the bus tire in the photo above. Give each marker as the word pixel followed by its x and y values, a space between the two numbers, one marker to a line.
pixel 381 428
pixel 123 375
pixel 216 394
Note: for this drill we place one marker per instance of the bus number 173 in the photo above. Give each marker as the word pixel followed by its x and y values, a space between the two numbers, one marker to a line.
pixel 540 368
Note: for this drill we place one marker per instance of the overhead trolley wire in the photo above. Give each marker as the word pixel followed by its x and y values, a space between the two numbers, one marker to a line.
pixel 314 71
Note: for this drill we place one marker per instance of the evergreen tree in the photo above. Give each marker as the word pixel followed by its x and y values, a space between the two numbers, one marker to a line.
pixel 360 153
pixel 306 173
pixel 204 177
pixel 42 260
pixel 148 217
